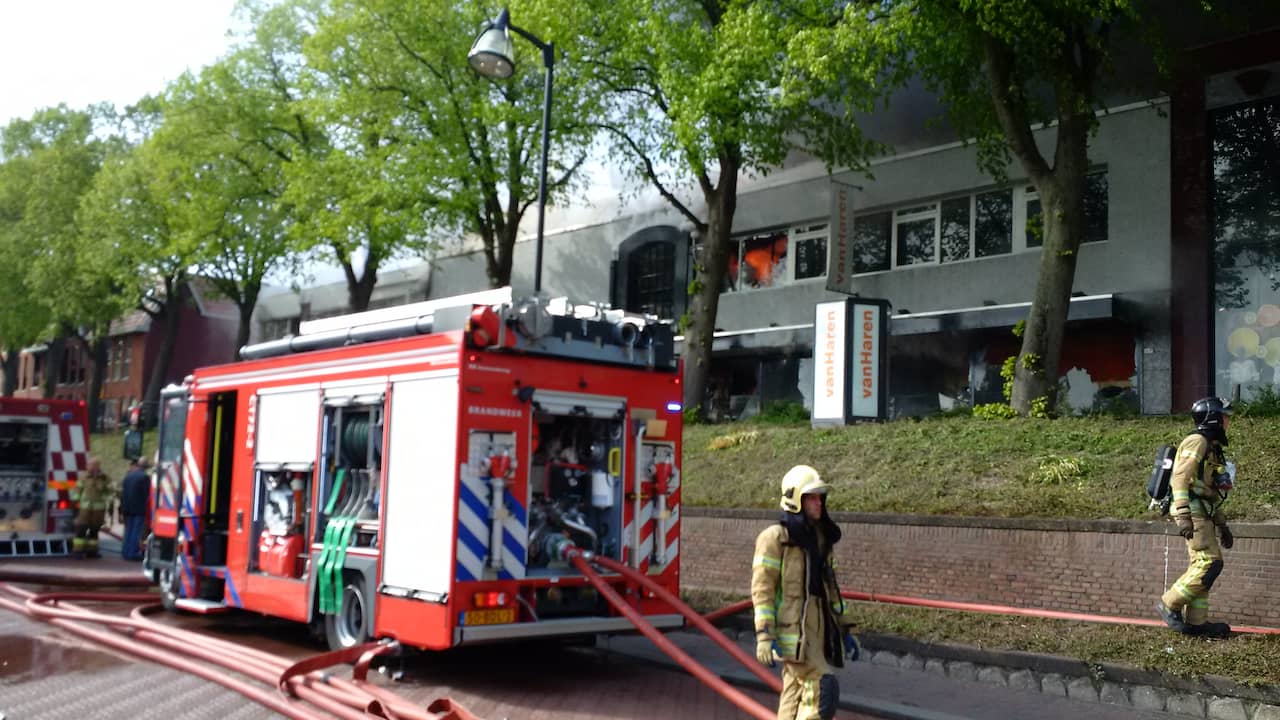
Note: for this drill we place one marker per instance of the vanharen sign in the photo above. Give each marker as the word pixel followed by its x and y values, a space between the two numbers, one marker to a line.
pixel 850 361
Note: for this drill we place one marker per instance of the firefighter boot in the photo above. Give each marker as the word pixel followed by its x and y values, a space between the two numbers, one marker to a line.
pixel 1172 618
pixel 1218 630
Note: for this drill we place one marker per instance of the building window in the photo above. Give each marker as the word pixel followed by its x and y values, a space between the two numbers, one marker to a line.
pixel 915 235
pixel 810 246
pixel 651 279
pixel 871 237
pixel 126 357
pixel 1095 211
pixel 956 234
pixel 778 257
pixel 651 272
pixel 993 224
pixel 279 328
pixel 1245 198
pixel 971 226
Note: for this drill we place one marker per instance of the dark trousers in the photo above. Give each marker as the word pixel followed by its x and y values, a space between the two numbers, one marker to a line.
pixel 131 546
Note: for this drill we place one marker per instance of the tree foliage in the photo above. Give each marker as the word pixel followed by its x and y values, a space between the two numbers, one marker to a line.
pixel 1003 70
pixel 224 143
pixel 50 161
pixel 428 148
pixel 700 92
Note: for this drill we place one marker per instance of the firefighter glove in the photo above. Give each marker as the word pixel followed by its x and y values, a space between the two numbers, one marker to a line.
pixel 851 648
pixel 766 650
pixel 1185 527
pixel 1227 538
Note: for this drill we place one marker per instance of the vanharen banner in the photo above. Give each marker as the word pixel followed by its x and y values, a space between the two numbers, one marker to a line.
pixel 840 250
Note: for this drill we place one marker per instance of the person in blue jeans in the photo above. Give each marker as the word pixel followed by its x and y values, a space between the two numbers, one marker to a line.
pixel 135 490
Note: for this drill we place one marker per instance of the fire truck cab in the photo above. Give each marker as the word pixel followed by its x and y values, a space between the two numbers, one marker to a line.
pixel 419 473
pixel 44 445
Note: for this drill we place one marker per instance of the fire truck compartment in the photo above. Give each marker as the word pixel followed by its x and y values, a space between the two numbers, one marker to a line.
pixel 22 475
pixel 575 486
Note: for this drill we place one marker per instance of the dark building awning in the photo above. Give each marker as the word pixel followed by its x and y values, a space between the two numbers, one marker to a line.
pixel 1085 307
pixel 800 337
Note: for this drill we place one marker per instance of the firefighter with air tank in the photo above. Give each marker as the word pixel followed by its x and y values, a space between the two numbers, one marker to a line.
pixel 800 617
pixel 1202 477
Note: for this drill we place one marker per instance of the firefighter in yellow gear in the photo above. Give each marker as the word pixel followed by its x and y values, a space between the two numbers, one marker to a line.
pixel 1201 479
pixel 91 493
pixel 800 617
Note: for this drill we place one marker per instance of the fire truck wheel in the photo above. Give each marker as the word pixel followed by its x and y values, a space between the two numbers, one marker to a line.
pixel 167 580
pixel 351 624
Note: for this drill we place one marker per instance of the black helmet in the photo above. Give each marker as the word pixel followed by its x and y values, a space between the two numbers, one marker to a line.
pixel 1207 413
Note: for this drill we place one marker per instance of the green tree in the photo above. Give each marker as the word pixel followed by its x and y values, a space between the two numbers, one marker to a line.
pixel 24 318
pixel 1002 70
pixel 134 222
pixel 223 144
pixel 64 149
pixel 697 93
pixel 428 148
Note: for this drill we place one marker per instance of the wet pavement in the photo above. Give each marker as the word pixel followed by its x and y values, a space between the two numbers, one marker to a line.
pixel 49 674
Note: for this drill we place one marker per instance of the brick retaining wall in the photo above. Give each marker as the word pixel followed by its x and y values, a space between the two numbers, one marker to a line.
pixel 1107 567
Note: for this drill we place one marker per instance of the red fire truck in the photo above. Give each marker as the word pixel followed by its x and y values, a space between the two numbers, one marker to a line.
pixel 421 472
pixel 44 445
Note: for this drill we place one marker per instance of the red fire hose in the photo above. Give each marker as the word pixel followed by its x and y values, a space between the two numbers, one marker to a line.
pixel 750 663
pixel 349 700
pixel 743 605
pixel 582 561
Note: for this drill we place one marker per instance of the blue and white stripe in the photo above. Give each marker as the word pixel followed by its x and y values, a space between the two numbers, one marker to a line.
pixel 473 530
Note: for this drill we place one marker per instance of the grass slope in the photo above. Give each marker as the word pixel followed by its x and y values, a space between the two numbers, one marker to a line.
pixel 1247 659
pixel 1071 467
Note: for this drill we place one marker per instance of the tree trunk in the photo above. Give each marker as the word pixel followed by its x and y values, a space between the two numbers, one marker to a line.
pixel 170 317
pixel 12 361
pixel 1062 212
pixel 360 289
pixel 500 267
pixel 709 279
pixel 53 357
pixel 98 354
pixel 245 305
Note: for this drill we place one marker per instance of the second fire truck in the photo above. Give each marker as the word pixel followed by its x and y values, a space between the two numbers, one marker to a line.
pixel 44 446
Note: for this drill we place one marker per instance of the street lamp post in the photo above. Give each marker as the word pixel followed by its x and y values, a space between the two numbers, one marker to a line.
pixel 491 56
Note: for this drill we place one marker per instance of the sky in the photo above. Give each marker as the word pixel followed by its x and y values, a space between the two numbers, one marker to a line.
pixel 80 52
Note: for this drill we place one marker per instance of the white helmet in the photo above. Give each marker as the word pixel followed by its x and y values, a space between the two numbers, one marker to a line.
pixel 799 481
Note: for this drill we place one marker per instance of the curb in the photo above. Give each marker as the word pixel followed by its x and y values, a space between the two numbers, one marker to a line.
pixel 848 701
pixel 1211 697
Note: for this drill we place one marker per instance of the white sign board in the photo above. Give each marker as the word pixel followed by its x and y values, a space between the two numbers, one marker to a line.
pixel 830 332
pixel 866 349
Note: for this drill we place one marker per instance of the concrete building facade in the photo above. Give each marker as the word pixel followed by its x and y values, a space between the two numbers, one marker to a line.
pixel 1172 299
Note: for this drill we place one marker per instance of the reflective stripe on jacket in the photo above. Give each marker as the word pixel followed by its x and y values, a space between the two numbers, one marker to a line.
pixel 780 593
pixel 92 492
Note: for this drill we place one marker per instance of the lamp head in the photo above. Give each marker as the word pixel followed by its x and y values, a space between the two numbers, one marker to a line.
pixel 491 54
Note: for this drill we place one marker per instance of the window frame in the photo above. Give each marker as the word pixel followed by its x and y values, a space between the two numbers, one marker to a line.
pixel 1020 194
pixel 814 230
pixel 912 214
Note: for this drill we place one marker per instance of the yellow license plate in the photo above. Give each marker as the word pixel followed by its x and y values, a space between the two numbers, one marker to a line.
pixel 489 617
